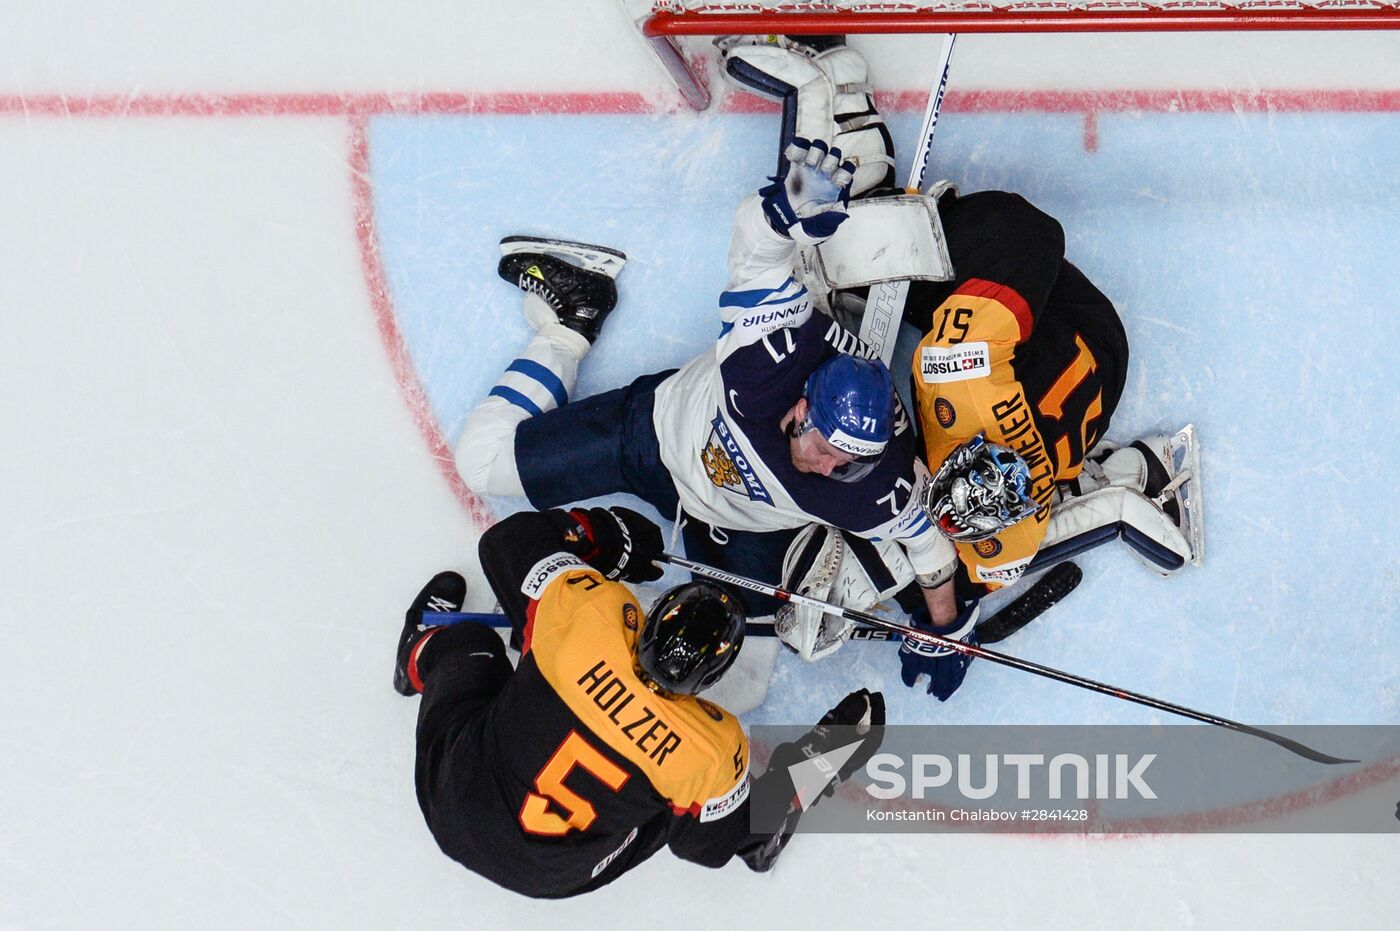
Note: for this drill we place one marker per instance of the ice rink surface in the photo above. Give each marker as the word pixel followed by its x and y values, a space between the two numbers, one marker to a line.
pixel 249 298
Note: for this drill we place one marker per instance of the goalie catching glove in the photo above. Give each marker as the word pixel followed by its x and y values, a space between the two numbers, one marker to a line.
pixel 807 200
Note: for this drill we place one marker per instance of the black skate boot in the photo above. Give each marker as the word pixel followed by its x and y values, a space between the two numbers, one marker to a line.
pixel 445 592
pixel 574 279
pixel 1158 477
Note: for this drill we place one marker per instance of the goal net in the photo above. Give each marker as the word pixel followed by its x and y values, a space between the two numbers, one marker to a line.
pixel 723 17
pixel 662 21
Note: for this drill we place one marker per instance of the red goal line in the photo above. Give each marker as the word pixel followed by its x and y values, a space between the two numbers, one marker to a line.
pixel 108 106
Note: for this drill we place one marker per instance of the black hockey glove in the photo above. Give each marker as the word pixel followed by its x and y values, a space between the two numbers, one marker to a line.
pixel 859 716
pixel 620 543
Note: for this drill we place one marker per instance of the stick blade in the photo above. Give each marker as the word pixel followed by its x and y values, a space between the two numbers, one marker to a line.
pixel 1044 594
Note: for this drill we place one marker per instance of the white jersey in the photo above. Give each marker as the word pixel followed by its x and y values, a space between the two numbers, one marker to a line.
pixel 717 419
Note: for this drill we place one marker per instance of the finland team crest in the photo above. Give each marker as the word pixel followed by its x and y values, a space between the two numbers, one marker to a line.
pixel 727 467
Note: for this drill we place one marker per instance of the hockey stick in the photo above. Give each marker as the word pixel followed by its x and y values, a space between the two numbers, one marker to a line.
pixel 1005 660
pixel 884 308
pixel 1043 594
pixel 760 628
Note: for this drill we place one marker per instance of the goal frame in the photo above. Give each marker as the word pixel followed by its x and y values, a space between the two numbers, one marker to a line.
pixel 663 25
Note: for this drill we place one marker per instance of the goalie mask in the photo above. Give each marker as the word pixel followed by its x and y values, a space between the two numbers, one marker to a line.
pixel 980 490
pixel 690 638
pixel 850 402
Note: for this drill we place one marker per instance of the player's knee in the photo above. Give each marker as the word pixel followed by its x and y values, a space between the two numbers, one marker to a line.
pixel 485 458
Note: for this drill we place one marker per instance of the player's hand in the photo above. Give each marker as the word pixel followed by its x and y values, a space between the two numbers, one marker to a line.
pixel 625 544
pixel 859 716
pixel 944 666
pixel 807 200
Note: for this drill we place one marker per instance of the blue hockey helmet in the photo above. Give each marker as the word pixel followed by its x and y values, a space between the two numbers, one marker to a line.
pixel 850 402
pixel 980 489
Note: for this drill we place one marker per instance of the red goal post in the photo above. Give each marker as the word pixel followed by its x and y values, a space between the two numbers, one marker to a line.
pixel 669 19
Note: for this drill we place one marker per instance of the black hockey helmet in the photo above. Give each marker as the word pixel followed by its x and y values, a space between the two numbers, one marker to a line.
pixel 690 638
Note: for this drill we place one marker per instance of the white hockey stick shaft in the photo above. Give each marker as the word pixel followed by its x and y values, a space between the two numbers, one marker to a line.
pixel 884 308
pixel 1015 662
pixel 919 167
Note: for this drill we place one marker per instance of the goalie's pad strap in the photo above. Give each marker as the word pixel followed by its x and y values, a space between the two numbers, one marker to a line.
pixel 1073 546
pixel 860 121
pixel 881 579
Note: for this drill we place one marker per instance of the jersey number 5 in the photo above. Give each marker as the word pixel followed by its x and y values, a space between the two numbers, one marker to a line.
pixel 536 815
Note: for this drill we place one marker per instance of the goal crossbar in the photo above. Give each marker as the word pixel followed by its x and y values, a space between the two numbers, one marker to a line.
pixel 694 19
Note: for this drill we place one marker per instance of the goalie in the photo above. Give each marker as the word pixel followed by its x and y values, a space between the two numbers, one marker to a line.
pixel 1021 366
pixel 786 421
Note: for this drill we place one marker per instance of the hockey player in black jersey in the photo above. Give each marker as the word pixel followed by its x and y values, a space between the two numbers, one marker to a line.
pixel 554 778
pixel 1021 366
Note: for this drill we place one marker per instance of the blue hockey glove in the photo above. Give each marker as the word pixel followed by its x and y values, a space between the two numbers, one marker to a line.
pixel 807 200
pixel 944 667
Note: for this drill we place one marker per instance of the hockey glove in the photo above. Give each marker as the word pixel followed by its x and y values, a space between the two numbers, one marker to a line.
pixel 859 716
pixel 807 200
pixel 620 543
pixel 945 667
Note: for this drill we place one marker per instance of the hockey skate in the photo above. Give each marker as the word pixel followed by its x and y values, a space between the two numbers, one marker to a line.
pixel 1174 483
pixel 573 280
pixel 446 591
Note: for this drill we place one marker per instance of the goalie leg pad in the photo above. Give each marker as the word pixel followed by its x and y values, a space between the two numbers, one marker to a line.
pixel 1083 522
pixel 745 684
pixel 885 239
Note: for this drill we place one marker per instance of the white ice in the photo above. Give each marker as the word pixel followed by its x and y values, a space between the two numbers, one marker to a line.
pixel 217 500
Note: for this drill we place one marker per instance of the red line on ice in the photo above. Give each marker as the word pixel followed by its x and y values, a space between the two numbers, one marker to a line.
pixel 603 102
pixel 377 283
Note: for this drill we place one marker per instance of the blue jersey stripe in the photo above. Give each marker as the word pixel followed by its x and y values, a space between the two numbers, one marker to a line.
pixel 761 296
pixel 516 398
pixel 532 369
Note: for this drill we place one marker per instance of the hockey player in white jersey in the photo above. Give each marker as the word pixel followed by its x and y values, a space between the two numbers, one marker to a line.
pixel 785 422
pixel 1021 367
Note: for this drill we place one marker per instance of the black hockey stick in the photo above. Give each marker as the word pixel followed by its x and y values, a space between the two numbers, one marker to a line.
pixel 761 628
pixel 1014 662
pixel 1044 593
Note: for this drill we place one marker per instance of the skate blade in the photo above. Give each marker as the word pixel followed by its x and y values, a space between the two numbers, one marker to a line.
pixel 1186 458
pixel 599 259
